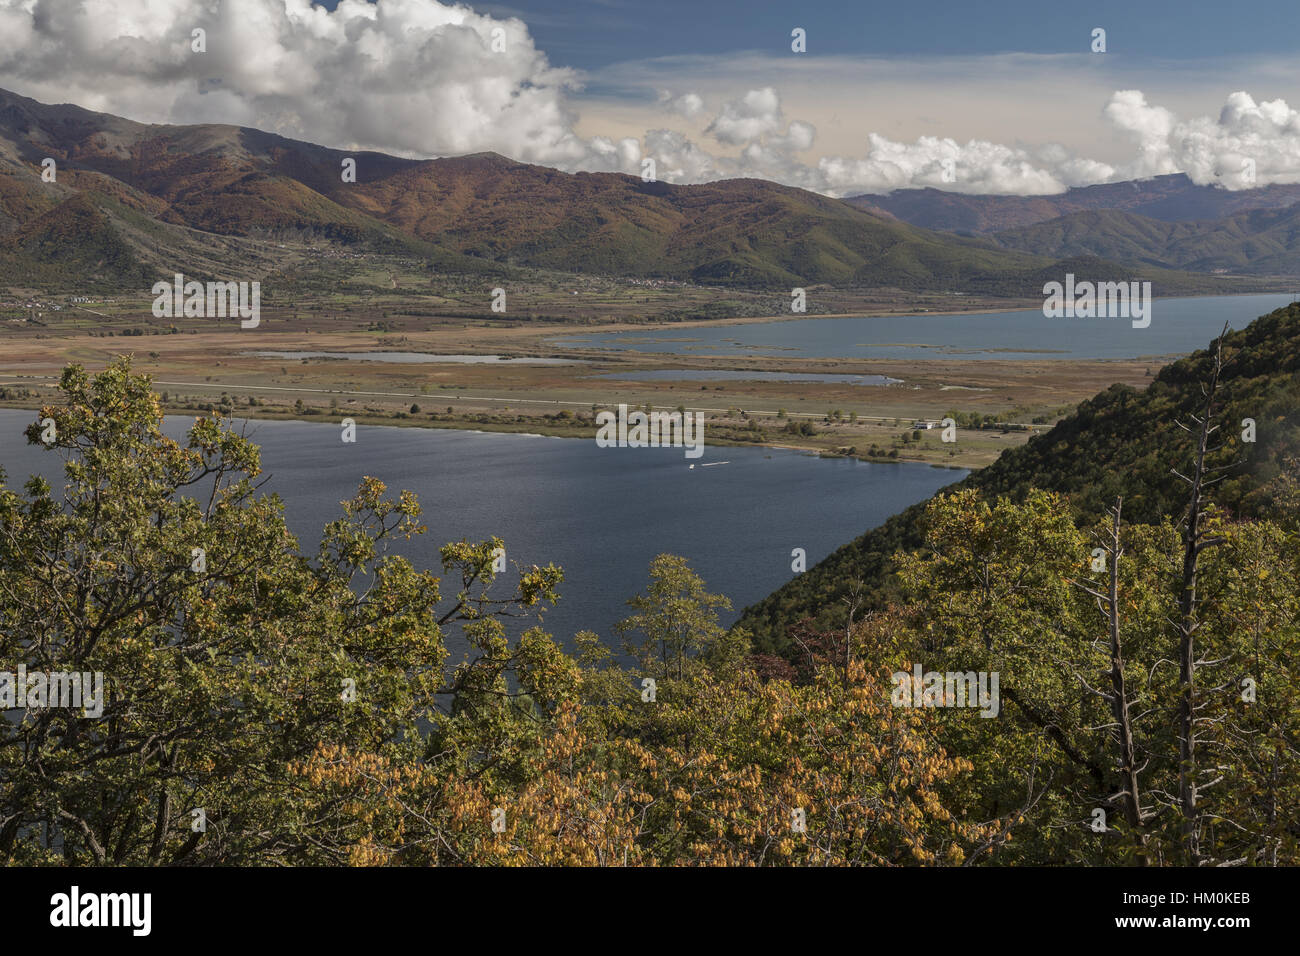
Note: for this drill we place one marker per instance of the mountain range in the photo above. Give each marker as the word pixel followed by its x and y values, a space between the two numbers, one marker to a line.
pixel 1172 198
pixel 131 201
pixel 1262 241
pixel 1167 222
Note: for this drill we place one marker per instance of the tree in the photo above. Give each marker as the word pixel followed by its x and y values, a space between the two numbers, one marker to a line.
pixel 1093 703
pixel 677 620
pixel 1196 538
pixel 1116 695
pixel 264 706
pixel 226 654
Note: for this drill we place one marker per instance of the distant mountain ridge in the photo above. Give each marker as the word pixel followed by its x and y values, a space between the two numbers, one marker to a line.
pixel 1255 242
pixel 1172 198
pixel 150 197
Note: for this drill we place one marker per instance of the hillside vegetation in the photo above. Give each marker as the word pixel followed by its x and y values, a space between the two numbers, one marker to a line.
pixel 1257 242
pixel 305 707
pixel 1122 442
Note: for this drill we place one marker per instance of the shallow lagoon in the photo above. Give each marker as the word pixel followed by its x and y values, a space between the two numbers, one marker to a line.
pixel 411 358
pixel 1178 326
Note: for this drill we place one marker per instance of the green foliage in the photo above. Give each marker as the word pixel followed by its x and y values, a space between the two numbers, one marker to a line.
pixel 308 710
pixel 1256 242
pixel 308 706
pixel 1121 443
pixel 1009 588
pixel 677 621
pixel 221 670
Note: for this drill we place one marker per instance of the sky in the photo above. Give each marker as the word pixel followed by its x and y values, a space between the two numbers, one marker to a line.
pixel 589 34
pixel 1003 96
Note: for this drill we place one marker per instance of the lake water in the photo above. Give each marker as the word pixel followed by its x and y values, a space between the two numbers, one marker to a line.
pixel 726 375
pixel 600 513
pixel 410 358
pixel 1178 326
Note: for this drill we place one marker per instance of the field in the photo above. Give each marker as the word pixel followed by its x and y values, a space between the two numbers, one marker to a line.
pixel 393 306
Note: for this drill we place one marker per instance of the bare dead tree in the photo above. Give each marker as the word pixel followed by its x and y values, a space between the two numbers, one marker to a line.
pixel 853 601
pixel 1116 695
pixel 1195 540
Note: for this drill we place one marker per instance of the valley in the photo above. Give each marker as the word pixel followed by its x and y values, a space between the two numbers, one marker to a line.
pixel 547 436
pixel 197 363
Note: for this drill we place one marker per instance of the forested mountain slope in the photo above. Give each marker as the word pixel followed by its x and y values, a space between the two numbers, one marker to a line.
pixel 1121 442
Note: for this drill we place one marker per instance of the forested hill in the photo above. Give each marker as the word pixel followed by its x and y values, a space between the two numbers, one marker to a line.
pixel 1121 442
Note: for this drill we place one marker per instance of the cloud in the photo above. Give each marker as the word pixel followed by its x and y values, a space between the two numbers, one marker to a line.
pixel 425 78
pixel 678 160
pixel 744 120
pixel 688 105
pixel 973 167
pixel 414 77
pixel 1249 144
pixel 753 122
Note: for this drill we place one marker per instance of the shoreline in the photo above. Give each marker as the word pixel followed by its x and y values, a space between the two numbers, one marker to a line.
pixel 523 429
pixel 1025 305
pixel 998 401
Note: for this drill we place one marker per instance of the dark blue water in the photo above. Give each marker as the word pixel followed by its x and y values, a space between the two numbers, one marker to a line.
pixel 600 513
pixel 1178 326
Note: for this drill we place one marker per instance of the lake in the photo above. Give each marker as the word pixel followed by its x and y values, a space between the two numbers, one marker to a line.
pixel 412 358
pixel 1178 326
pixel 600 513
pixel 726 375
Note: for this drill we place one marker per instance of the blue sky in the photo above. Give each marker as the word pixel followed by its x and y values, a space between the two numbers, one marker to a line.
pixel 593 33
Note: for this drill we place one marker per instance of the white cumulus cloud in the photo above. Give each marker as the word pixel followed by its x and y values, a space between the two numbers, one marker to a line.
pixel 689 105
pixel 415 77
pixel 973 167
pixel 1248 144
pixel 426 78
pixel 743 120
